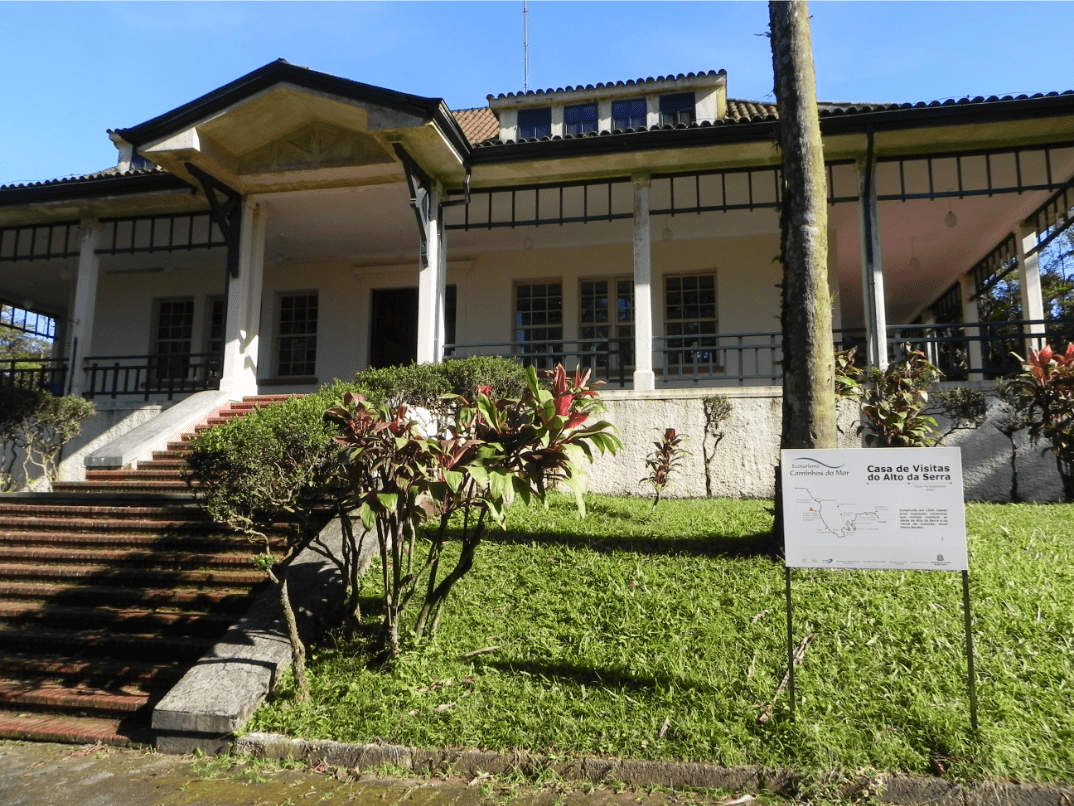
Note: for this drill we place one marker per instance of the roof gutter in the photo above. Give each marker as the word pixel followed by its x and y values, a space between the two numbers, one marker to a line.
pixel 93 188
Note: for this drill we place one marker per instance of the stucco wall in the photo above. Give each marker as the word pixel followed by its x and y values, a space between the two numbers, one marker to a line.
pixel 743 464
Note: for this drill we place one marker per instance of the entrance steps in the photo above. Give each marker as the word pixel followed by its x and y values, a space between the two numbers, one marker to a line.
pixel 110 589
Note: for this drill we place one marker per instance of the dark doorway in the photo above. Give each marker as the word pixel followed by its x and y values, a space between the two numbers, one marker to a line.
pixel 393 338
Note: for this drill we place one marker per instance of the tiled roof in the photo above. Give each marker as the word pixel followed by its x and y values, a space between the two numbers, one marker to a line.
pixel 65 180
pixel 609 84
pixel 749 111
pixel 478 124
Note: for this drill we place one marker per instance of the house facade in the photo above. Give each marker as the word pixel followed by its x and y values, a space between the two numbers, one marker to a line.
pixel 293 227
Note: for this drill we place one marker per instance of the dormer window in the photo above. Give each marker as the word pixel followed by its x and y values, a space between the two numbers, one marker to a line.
pixel 677 108
pixel 628 114
pixel 533 124
pixel 580 119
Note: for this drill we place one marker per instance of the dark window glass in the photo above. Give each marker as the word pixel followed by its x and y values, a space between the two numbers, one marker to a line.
pixel 580 119
pixel 677 108
pixel 607 327
pixel 628 114
pixel 533 124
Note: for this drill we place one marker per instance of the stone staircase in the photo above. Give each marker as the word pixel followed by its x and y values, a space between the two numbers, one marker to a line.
pixel 110 589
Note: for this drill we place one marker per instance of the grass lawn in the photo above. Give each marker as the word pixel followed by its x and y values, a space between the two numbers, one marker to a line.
pixel 664 637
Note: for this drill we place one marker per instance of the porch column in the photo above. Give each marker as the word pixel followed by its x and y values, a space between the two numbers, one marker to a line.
pixel 432 283
pixel 970 316
pixel 872 264
pixel 1025 238
pixel 644 377
pixel 238 374
pixel 89 269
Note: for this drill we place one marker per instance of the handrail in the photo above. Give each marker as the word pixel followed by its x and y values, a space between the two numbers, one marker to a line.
pixel 48 374
pixel 147 375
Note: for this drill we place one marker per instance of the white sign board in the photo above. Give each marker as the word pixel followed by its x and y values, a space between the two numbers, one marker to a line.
pixel 881 508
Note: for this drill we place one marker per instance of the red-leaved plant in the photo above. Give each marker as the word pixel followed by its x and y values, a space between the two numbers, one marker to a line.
pixel 1043 397
pixel 490 451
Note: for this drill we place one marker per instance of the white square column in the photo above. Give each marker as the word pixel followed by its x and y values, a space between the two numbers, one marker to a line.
pixel 432 286
pixel 970 316
pixel 238 376
pixel 89 270
pixel 1025 239
pixel 872 266
pixel 644 377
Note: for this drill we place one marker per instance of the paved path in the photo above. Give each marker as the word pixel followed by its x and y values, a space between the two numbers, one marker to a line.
pixel 33 774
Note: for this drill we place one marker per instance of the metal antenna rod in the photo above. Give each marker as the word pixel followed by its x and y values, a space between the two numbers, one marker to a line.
pixel 526 45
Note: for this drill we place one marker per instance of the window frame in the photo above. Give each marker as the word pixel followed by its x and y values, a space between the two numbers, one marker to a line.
pixel 547 351
pixel 691 352
pixel 628 118
pixel 584 124
pixel 279 339
pixel 620 332
pixel 537 128
pixel 672 107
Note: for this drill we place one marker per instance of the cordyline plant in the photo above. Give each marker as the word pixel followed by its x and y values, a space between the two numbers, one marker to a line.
pixel 892 401
pixel 1043 399
pixel 491 451
pixel 665 458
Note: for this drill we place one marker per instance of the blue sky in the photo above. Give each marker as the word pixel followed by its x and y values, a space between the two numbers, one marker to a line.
pixel 73 70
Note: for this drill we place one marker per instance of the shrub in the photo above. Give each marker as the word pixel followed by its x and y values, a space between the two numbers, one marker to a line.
pixel 34 427
pixel 490 451
pixel 892 401
pixel 665 458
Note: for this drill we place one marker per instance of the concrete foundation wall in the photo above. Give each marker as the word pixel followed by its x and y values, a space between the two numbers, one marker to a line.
pixel 995 467
pixel 113 419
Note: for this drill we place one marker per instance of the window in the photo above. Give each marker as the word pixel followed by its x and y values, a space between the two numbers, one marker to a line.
pixel 677 108
pixel 691 323
pixel 580 119
pixel 533 124
pixel 629 114
pixel 296 335
pixel 175 327
pixel 539 322
pixel 607 327
pixel 214 344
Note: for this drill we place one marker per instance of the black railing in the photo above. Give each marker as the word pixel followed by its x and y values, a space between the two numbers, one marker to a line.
pixel 609 360
pixel 978 350
pixel 49 374
pixel 150 375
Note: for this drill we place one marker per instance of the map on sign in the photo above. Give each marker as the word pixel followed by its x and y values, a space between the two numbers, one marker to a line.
pixel 894 508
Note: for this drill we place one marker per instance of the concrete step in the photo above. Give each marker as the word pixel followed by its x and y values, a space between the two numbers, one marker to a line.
pixel 98 671
pixel 86 700
pixel 42 640
pixel 176 486
pixel 127 732
pixel 120 621
pixel 124 558
pixel 151 577
pixel 206 601
pixel 180 535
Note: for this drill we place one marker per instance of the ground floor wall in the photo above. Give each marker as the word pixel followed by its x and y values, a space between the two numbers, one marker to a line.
pixel 113 419
pixel 738 458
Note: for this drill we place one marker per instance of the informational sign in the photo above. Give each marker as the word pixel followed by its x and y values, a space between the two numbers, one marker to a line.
pixel 881 508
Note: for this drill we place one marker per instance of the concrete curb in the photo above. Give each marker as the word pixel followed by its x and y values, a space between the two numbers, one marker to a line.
pixel 216 697
pixel 907 790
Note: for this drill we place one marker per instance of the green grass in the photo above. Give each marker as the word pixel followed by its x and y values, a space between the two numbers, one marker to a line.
pixel 608 627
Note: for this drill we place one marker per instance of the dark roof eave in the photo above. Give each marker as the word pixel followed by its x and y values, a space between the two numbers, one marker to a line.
pixel 279 72
pixel 625 142
pixel 92 188
pixel 948 114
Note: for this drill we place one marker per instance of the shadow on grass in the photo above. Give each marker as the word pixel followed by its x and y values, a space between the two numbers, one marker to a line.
pixel 760 544
pixel 610 679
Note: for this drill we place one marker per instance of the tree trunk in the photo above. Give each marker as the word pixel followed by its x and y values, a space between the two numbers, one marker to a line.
pixel 809 419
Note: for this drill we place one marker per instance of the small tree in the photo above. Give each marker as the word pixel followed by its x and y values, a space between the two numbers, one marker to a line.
pixel 34 427
pixel 489 452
